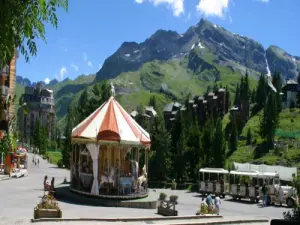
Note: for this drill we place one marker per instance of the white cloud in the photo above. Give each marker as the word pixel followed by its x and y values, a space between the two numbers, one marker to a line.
pixel 230 19
pixel 89 63
pixel 62 72
pixel 75 67
pixel 189 16
pixel 84 56
pixel 213 7
pixel 177 6
pixel 265 1
pixel 100 66
pixel 47 80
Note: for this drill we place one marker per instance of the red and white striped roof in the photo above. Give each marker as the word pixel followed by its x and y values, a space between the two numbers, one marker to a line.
pixel 111 123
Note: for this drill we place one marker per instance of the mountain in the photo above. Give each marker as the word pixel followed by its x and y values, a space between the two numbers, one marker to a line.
pixel 232 50
pixel 23 81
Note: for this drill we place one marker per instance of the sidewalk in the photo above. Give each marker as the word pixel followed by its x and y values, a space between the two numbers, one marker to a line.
pixel 4 177
pixel 233 220
pixel 162 221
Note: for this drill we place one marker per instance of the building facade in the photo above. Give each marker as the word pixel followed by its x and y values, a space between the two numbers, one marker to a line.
pixel 40 107
pixel 290 91
pixel 8 85
pixel 202 106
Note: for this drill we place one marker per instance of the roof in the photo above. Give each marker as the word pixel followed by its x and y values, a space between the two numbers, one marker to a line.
pixel 222 90
pixel 291 82
pixel 213 170
pixel 191 101
pixel 168 107
pixel 177 104
pixel 134 113
pixel 234 108
pixel 201 98
pixel 151 109
pixel 183 108
pixel 215 97
pixel 211 94
pixel 111 123
pixel 244 172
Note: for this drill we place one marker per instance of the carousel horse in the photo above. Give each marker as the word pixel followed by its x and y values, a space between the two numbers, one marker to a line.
pixel 108 179
pixel 142 180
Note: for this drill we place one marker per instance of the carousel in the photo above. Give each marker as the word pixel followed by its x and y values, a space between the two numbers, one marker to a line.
pixel 110 154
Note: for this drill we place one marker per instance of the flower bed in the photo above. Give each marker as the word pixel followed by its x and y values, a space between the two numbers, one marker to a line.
pixel 204 210
pixel 47 208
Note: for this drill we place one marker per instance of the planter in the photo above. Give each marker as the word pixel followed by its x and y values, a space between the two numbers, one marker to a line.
pixel 284 222
pixel 47 213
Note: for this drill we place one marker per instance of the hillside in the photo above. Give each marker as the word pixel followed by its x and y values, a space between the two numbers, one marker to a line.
pixel 287 141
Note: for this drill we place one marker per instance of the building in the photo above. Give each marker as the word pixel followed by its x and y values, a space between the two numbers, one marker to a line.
pixel 8 85
pixel 290 91
pixel 200 106
pixel 146 119
pixel 40 104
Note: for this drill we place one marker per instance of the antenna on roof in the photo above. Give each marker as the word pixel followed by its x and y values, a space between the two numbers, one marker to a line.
pixel 112 90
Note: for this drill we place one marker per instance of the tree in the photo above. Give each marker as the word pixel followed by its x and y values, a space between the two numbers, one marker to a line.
pixel 207 141
pixel 245 89
pixel 233 138
pixel 83 107
pixel 237 97
pixel 249 137
pixel 152 101
pixel 23 22
pixel 67 149
pixel 161 146
pixel 269 121
pixel 277 84
pixel 253 96
pixel 193 151
pixel 261 93
pixel 219 146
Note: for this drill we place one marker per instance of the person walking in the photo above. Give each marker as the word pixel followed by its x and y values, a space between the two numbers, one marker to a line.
pixel 264 190
pixel 217 203
pixel 38 162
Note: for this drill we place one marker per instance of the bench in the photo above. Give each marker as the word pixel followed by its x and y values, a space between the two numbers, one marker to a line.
pixel 167 208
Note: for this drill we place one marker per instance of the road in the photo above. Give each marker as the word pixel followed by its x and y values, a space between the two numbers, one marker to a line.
pixel 19 196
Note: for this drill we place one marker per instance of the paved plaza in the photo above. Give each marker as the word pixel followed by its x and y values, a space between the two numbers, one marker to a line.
pixel 20 196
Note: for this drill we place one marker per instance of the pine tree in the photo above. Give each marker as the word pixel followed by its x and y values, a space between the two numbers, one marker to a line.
pixel 237 97
pixel 207 141
pixel 233 138
pixel 193 151
pixel 261 92
pixel 228 104
pixel 253 92
pixel 105 92
pixel 219 146
pixel 84 106
pixel 161 146
pixel 37 134
pixel 152 101
pixel 249 137
pixel 245 90
pixel 269 121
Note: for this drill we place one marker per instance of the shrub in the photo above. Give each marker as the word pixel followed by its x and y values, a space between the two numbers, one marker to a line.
pixel 60 163
pixel 162 196
pixel 173 198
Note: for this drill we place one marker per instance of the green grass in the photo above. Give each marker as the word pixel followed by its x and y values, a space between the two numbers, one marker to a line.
pixel 287 150
pixel 55 156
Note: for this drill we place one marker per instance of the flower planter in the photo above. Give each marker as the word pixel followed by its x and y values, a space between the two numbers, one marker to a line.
pixel 173 186
pixel 47 213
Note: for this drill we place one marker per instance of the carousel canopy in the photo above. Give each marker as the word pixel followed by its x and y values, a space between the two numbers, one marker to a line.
pixel 111 123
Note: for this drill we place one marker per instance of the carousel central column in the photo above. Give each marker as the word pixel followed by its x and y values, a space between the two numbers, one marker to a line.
pixel 94 151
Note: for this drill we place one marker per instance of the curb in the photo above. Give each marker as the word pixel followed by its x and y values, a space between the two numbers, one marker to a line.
pixel 221 222
pixel 7 178
pixel 124 219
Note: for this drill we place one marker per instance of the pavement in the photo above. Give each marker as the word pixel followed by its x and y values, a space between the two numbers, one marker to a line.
pixel 19 196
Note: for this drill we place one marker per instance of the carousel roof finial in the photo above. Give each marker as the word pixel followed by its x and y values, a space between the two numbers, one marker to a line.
pixel 112 90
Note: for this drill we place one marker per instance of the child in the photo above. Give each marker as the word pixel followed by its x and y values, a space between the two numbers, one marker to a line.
pixel 217 203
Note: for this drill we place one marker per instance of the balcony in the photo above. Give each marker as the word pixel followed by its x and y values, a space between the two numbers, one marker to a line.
pixel 4 90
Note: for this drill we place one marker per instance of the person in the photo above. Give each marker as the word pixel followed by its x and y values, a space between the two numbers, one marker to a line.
pixel 217 203
pixel 46 185
pixel 209 201
pixel 264 190
pixel 38 162
pixel 280 193
pixel 52 184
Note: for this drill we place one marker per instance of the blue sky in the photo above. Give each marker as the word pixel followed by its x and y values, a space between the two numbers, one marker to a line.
pixel 92 30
